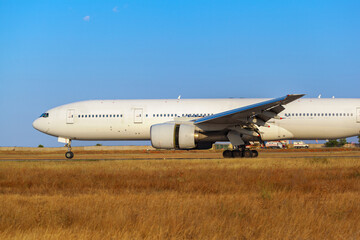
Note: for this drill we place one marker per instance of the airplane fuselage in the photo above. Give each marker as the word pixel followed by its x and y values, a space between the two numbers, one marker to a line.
pixel 306 118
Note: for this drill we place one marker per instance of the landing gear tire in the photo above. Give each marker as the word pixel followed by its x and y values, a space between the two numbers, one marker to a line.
pixel 69 155
pixel 227 154
pixel 248 153
pixel 254 153
pixel 237 154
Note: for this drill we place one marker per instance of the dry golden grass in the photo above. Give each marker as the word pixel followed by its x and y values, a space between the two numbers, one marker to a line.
pixel 312 197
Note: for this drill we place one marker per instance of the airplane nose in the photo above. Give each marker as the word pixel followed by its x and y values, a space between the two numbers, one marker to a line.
pixel 36 124
pixel 39 125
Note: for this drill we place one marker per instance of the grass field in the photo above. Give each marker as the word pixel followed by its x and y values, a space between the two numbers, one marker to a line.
pixel 185 195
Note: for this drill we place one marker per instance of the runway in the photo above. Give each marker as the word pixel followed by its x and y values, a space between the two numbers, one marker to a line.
pixel 57 154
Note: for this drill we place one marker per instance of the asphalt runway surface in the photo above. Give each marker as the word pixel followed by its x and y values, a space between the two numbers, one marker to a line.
pixel 58 155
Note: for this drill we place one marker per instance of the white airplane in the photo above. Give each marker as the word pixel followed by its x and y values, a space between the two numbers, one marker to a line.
pixel 198 123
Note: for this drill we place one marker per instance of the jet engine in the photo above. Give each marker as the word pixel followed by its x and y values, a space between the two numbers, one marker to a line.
pixel 176 136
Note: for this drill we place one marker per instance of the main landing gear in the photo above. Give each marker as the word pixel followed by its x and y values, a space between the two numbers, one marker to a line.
pixel 243 153
pixel 69 154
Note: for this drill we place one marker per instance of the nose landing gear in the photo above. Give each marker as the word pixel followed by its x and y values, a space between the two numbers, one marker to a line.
pixel 69 154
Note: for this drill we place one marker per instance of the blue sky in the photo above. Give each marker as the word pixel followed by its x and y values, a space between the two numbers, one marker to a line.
pixel 56 52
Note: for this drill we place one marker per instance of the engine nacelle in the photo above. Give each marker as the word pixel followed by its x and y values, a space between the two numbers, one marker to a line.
pixel 173 136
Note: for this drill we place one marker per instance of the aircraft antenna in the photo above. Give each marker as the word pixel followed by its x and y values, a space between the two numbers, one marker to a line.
pixel 319 96
pixel 179 97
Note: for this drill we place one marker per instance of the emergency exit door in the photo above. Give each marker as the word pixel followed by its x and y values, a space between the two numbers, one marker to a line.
pixel 138 115
pixel 70 116
pixel 358 115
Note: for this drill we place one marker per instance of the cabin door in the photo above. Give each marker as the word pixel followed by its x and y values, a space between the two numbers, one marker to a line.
pixel 70 116
pixel 138 115
pixel 358 114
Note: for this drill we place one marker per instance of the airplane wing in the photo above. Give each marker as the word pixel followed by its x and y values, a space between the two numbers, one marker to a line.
pixel 257 113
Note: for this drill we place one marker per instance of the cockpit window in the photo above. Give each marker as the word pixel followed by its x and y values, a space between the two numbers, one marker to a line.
pixel 45 115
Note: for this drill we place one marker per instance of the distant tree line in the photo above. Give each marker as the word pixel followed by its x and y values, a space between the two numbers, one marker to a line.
pixel 336 143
